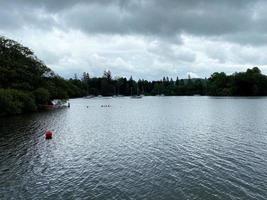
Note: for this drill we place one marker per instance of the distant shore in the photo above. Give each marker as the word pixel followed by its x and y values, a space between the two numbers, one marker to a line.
pixel 26 82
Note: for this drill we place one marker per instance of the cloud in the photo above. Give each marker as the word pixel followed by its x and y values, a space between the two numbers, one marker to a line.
pixel 151 17
pixel 143 38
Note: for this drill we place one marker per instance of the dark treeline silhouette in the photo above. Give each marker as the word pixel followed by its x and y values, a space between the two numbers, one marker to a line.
pixel 26 83
pixel 107 86
pixel 249 83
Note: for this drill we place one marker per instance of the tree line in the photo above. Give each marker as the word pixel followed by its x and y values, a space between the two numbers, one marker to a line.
pixel 108 86
pixel 249 83
pixel 26 83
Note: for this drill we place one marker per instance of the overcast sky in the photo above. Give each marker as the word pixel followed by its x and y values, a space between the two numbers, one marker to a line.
pixel 144 38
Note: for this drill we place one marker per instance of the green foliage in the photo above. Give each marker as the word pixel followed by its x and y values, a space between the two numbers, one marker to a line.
pixel 16 102
pixel 42 96
pixel 106 86
pixel 249 83
pixel 19 68
pixel 26 82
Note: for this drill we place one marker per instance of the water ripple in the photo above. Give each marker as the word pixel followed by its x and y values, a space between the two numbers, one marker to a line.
pixel 153 148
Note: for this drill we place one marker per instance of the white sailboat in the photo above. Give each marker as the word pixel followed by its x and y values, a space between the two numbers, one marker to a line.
pixel 137 96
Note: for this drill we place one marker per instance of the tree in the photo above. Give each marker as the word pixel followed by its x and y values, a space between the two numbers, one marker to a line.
pixel 15 102
pixel 19 67
pixel 42 96
pixel 86 77
pixel 107 75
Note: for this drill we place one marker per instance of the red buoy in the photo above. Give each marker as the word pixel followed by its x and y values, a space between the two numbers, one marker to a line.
pixel 48 135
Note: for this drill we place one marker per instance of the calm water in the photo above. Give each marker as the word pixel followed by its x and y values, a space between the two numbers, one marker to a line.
pixel 150 148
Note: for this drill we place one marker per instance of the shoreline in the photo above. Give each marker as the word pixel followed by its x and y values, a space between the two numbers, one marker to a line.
pixel 112 97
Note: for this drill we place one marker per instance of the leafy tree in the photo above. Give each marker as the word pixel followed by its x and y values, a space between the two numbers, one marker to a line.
pixel 15 102
pixel 107 75
pixel 42 95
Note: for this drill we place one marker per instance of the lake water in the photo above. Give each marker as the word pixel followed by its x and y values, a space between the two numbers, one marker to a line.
pixel 149 148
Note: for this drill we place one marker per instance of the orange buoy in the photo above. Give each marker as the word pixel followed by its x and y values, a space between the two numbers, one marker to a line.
pixel 48 135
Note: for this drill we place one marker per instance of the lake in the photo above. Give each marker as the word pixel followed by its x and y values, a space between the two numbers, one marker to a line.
pixel 150 148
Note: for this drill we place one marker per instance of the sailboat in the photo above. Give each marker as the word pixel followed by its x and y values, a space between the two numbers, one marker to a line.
pixel 87 93
pixel 89 96
pixel 137 96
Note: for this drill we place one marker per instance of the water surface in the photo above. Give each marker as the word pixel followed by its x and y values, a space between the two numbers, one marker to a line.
pixel 149 148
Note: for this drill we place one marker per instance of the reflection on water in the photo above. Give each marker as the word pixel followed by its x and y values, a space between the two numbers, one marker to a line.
pixel 153 148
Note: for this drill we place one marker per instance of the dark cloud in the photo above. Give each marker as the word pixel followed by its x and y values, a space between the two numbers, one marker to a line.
pixel 167 18
pixel 164 18
pixel 165 36
pixel 15 16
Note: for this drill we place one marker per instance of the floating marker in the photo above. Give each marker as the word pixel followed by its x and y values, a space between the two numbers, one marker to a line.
pixel 48 135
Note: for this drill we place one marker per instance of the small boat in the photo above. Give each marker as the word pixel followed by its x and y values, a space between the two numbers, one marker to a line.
pixel 117 96
pixel 105 106
pixel 89 97
pixel 58 103
pixel 55 104
pixel 136 97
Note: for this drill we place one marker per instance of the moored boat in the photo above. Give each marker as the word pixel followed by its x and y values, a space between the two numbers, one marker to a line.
pixel 55 104
pixel 136 97
pixel 89 97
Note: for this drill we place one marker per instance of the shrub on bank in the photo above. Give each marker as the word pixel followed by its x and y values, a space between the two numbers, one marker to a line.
pixel 16 102
pixel 42 96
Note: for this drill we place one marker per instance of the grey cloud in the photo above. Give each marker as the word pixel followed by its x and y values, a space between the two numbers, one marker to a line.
pixel 166 19
pixel 167 52
pixel 14 17
pixel 222 32
pixel 252 38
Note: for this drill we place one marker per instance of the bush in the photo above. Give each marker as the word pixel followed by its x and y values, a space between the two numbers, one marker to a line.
pixel 42 96
pixel 16 102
